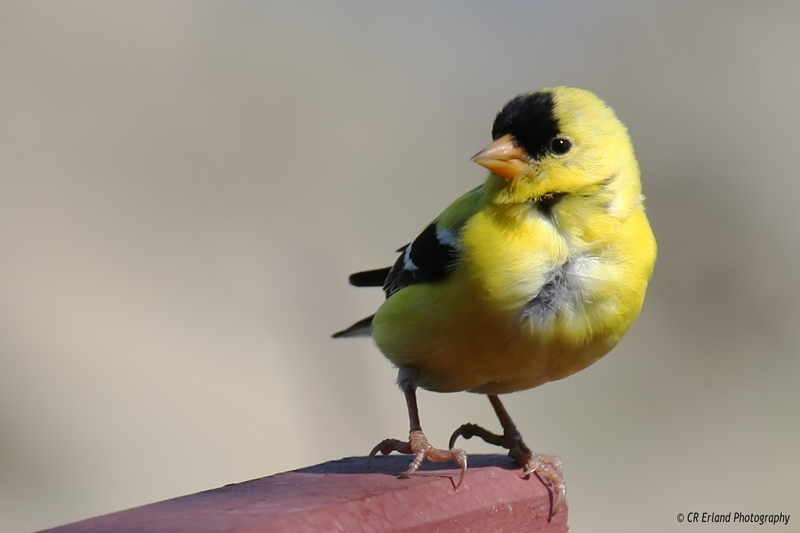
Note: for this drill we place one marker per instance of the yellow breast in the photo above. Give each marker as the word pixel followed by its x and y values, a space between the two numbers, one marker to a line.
pixel 531 301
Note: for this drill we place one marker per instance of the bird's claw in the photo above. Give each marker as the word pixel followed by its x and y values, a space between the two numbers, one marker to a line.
pixel 468 431
pixel 548 469
pixel 387 446
pixel 419 446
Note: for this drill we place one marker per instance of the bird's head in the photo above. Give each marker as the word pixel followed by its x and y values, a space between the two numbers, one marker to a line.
pixel 558 142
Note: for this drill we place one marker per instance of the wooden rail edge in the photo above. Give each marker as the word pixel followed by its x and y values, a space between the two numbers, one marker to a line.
pixel 343 496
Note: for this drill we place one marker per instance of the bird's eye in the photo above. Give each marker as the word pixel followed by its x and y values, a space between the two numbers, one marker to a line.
pixel 560 146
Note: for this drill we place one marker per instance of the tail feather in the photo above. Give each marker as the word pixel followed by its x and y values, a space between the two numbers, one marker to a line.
pixel 362 328
pixel 370 278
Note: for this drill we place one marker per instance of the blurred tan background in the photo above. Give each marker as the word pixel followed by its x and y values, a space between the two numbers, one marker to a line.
pixel 184 188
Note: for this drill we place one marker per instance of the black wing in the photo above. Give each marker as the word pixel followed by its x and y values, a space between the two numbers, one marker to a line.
pixel 428 259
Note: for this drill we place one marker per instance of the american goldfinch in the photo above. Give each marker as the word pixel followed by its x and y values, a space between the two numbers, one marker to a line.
pixel 526 279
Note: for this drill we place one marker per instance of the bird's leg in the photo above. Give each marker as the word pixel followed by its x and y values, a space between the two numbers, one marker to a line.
pixel 417 443
pixel 545 467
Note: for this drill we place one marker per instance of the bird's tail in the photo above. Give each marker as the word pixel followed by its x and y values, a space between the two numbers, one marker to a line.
pixel 370 278
pixel 362 328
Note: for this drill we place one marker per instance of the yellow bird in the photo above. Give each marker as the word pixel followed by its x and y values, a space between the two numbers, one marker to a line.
pixel 526 279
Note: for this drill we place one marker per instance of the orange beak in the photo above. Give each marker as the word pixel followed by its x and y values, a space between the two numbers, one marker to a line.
pixel 504 158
